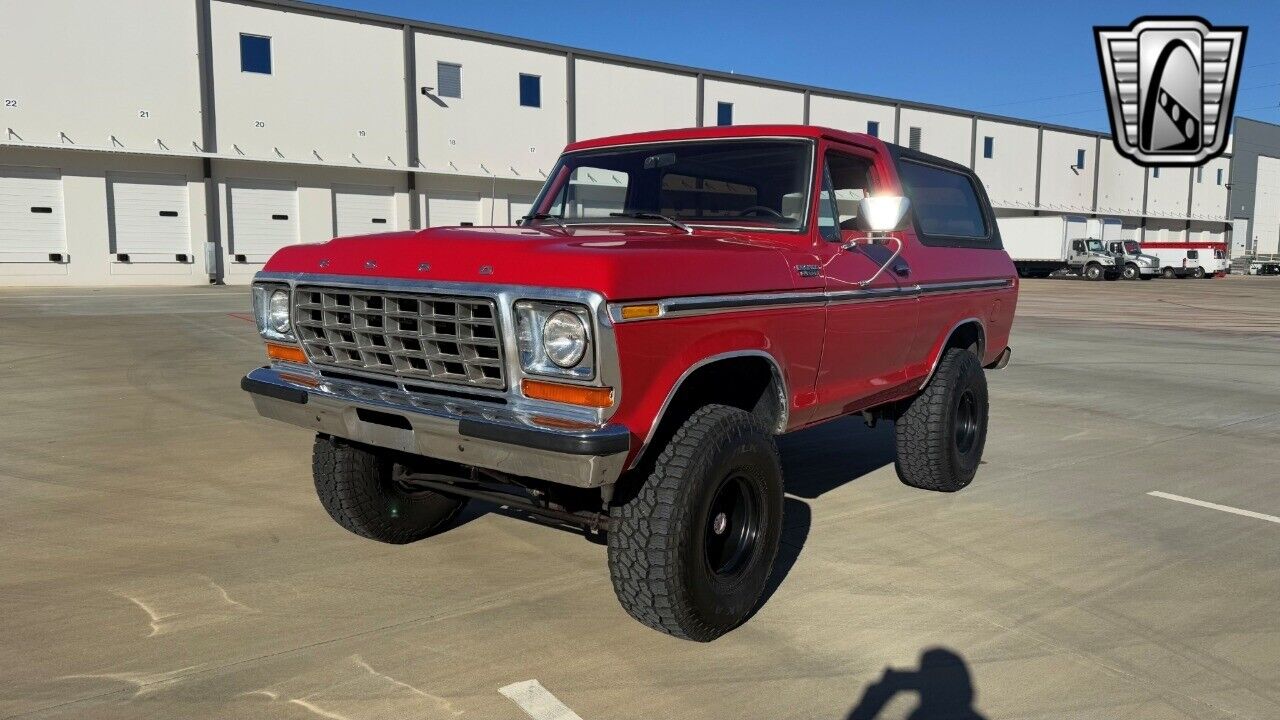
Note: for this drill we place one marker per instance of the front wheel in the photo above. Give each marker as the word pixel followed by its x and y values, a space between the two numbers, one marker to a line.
pixel 1131 272
pixel 365 493
pixel 1093 271
pixel 941 435
pixel 690 554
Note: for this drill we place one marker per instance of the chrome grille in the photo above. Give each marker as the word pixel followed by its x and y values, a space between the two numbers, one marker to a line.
pixel 444 338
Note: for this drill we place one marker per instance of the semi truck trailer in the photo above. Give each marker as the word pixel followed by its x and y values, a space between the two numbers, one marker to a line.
pixel 1042 245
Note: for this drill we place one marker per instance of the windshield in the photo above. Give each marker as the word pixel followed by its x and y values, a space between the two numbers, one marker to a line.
pixel 1131 247
pixel 762 184
pixel 1094 245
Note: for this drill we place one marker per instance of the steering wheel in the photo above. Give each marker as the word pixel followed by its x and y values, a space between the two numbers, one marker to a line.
pixel 757 209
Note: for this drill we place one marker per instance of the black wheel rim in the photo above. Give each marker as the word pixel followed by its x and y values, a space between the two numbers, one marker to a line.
pixel 966 422
pixel 732 527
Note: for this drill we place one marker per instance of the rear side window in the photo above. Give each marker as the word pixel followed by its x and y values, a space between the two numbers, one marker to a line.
pixel 944 203
pixel 1193 254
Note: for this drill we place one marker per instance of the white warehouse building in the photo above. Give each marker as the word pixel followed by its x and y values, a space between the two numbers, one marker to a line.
pixel 184 141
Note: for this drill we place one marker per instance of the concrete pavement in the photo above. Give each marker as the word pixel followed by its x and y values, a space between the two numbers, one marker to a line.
pixel 162 554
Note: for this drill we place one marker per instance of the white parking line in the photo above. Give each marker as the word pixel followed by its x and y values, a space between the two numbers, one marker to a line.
pixel 537 702
pixel 1215 506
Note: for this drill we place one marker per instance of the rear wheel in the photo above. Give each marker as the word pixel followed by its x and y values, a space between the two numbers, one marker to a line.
pixel 1168 273
pixel 1198 273
pixel 941 435
pixel 690 554
pixel 365 492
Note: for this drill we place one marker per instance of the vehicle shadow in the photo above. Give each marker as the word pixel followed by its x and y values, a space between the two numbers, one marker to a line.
pixel 942 683
pixel 814 462
pixel 820 459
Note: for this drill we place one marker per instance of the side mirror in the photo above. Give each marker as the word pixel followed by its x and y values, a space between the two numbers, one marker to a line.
pixel 883 214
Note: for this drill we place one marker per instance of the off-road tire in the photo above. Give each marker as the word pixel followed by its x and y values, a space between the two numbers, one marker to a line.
pixel 658 541
pixel 1131 272
pixel 358 490
pixel 931 455
pixel 1092 271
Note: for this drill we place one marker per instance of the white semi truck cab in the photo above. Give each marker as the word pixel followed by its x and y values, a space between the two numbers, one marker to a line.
pixel 1137 264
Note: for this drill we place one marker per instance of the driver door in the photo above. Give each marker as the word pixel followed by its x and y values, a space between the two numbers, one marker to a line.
pixel 869 336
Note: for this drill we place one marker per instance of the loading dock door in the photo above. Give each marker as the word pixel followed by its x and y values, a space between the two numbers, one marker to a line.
pixel 264 218
pixel 363 210
pixel 446 208
pixel 149 217
pixel 31 219
pixel 1077 228
pixel 518 208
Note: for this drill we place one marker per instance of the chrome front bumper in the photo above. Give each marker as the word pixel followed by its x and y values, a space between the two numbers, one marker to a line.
pixel 481 434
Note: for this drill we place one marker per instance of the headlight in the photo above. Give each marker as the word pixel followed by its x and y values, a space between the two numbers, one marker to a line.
pixel 278 311
pixel 271 309
pixel 554 339
pixel 564 339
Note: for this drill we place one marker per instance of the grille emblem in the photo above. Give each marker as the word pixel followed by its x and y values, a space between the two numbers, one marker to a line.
pixel 1171 85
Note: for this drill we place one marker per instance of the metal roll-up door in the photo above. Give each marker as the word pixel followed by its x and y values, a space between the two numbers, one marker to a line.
pixel 264 218
pixel 32 228
pixel 150 217
pixel 1077 228
pixel 447 208
pixel 363 210
pixel 518 207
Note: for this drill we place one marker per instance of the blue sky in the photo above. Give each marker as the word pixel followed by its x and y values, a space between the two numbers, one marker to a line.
pixel 1034 60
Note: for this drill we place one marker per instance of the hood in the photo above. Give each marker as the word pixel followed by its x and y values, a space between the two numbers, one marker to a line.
pixel 621 263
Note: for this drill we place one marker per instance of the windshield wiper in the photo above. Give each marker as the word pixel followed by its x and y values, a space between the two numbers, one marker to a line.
pixel 641 215
pixel 544 216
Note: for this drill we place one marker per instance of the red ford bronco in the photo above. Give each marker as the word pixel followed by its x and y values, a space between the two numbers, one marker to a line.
pixel 622 361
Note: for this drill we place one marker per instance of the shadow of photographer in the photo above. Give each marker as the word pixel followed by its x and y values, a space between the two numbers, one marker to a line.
pixel 942 683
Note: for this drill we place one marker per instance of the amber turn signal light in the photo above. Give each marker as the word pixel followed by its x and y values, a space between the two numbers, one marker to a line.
pixel 597 397
pixel 635 312
pixel 286 353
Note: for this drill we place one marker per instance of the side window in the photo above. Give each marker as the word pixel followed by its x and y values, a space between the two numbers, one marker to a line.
pixel 530 90
pixel 944 202
pixel 1077 246
pixel 448 80
pixel 724 113
pixel 846 181
pixel 1193 254
pixel 255 54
